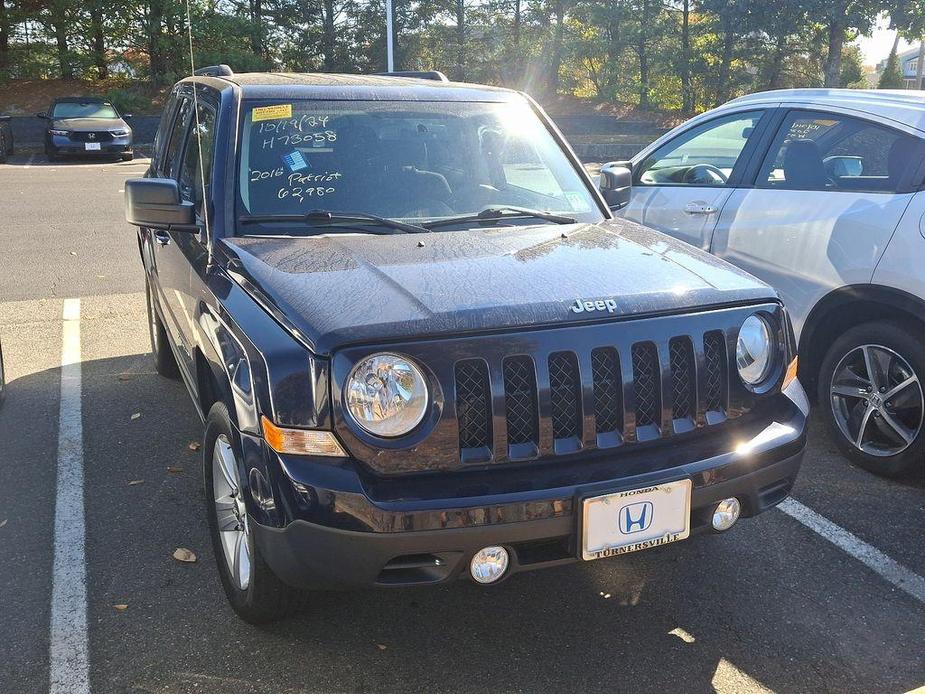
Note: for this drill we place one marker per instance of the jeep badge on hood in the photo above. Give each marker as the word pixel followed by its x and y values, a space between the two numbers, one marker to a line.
pixel 580 306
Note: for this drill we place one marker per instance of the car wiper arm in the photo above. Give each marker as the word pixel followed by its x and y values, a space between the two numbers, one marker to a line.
pixel 495 214
pixel 322 217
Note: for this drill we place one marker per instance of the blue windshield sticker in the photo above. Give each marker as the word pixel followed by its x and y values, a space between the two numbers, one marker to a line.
pixel 295 161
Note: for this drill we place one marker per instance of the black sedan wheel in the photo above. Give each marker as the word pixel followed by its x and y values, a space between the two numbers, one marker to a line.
pixel 870 380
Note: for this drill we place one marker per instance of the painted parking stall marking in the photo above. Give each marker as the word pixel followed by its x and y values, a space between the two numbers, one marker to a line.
pixel 68 651
pixel 889 569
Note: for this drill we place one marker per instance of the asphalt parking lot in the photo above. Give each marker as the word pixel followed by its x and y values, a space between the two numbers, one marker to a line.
pixel 828 597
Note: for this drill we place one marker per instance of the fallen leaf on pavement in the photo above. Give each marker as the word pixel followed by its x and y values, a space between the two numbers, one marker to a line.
pixel 184 555
pixel 194 445
pixel 175 469
pixel 3 522
pixel 137 415
pixel 124 377
pixel 132 483
pixel 381 646
pixel 121 607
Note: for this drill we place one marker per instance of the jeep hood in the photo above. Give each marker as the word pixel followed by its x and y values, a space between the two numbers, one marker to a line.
pixel 356 288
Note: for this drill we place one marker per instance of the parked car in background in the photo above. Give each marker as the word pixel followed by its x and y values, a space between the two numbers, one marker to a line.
pixel 423 349
pixel 6 138
pixel 86 125
pixel 819 193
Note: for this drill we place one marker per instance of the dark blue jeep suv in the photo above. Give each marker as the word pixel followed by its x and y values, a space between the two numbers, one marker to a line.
pixel 424 349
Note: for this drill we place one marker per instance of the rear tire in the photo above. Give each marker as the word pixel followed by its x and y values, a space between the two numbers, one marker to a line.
pixel 255 593
pixel 129 156
pixel 877 423
pixel 164 362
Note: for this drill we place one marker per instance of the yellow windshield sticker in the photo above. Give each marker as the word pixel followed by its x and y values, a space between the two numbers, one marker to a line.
pixel 825 122
pixel 274 112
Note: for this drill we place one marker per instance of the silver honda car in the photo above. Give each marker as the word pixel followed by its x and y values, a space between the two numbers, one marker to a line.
pixel 821 193
pixel 86 125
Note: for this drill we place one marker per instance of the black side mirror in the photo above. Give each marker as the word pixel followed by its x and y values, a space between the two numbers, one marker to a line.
pixel 617 183
pixel 42 115
pixel 126 116
pixel 156 203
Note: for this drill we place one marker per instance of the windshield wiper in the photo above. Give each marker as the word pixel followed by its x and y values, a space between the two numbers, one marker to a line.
pixel 325 217
pixel 502 212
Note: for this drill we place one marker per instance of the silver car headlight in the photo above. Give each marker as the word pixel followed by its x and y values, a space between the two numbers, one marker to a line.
pixel 386 395
pixel 754 350
pixel 120 133
pixel 61 133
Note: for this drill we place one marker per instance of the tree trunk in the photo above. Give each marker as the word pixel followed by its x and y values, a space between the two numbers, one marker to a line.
pixel 919 65
pixel 832 71
pixel 4 39
pixel 642 51
pixel 518 11
pixel 774 76
pixel 722 93
pixel 256 10
pixel 155 44
pixel 98 37
pixel 687 97
pixel 461 40
pixel 558 37
pixel 328 36
pixel 60 30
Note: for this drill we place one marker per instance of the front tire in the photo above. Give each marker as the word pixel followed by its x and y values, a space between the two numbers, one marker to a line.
pixel 871 392
pixel 254 591
pixel 127 156
pixel 164 362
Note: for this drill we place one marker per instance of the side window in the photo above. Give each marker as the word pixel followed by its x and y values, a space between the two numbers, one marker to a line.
pixel 162 128
pixel 202 137
pixel 703 156
pixel 821 151
pixel 177 135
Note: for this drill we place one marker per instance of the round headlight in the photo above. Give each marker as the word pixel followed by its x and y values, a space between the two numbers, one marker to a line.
pixel 753 350
pixel 386 395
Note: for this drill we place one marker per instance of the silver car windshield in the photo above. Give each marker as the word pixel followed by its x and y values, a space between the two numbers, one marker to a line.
pixel 415 161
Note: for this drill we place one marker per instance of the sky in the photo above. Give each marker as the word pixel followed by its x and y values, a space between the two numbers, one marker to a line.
pixel 877 46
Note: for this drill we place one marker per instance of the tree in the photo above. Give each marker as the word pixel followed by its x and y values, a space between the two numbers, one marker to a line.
pixel 892 76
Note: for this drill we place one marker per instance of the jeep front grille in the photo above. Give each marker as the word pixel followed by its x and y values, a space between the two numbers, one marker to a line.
pixel 656 390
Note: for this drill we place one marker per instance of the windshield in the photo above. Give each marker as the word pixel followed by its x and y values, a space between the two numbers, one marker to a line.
pixel 414 161
pixel 90 109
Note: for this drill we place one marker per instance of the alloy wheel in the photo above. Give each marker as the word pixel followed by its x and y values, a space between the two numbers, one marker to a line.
pixel 230 512
pixel 877 401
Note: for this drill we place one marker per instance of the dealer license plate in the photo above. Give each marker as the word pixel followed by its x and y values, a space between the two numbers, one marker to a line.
pixel 636 519
pixel 91 145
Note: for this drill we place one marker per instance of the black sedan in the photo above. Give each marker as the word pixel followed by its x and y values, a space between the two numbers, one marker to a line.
pixel 86 125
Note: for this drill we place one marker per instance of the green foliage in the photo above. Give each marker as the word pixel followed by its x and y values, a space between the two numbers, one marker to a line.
pixel 129 100
pixel 892 76
pixel 625 52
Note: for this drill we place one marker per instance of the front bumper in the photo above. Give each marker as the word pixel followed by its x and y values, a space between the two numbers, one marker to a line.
pixel 57 144
pixel 338 532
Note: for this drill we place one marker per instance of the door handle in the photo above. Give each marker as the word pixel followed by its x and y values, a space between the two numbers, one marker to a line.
pixel 699 208
pixel 162 238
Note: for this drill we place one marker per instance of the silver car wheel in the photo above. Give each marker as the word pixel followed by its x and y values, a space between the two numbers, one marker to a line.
pixel 230 513
pixel 877 400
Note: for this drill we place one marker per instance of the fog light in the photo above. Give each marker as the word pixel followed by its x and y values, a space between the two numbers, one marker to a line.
pixel 726 513
pixel 489 564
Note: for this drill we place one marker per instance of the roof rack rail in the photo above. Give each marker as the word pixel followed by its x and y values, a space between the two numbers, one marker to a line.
pixel 434 75
pixel 214 71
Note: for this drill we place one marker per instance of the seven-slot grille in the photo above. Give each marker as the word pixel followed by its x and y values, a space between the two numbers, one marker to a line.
pixel 627 399
pixel 85 136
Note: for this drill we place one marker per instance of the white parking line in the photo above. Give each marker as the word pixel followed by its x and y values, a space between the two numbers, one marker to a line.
pixel 894 572
pixel 68 654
